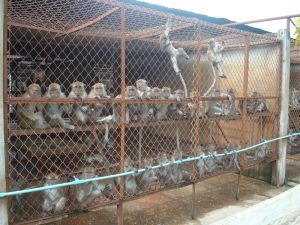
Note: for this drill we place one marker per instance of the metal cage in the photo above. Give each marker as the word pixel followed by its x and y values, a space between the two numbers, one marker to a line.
pixel 117 44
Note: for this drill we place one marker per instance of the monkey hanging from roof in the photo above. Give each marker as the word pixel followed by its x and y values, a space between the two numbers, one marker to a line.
pixel 215 57
pixel 174 53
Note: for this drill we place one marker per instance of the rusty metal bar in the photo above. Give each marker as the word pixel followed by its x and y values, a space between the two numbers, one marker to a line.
pixel 20 100
pixel 237 194
pixel 151 33
pixel 245 95
pixel 123 116
pixel 262 20
pixel 193 200
pixel 89 23
pixel 21 25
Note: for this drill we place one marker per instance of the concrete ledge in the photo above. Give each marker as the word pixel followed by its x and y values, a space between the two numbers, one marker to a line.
pixel 279 210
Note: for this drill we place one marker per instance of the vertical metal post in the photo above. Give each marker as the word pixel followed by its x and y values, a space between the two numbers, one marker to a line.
pixel 244 111
pixel 245 95
pixel 140 146
pixel 123 117
pixel 237 194
pixel 196 119
pixel 284 107
pixel 3 112
pixel 193 200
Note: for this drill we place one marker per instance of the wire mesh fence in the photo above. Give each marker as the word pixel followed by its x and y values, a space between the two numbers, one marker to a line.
pixel 99 87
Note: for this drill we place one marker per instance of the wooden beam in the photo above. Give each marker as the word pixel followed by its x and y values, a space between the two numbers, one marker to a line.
pixel 91 22
pixel 154 32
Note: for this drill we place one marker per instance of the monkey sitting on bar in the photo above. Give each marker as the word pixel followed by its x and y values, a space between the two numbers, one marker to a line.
pixel 255 105
pixel 54 199
pixel 87 192
pixel 144 92
pixel 30 115
pixel 97 110
pixel 53 112
pixel 79 112
pixel 214 54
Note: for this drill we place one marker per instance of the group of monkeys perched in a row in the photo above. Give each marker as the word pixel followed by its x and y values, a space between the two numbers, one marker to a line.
pixel 55 200
pixel 33 115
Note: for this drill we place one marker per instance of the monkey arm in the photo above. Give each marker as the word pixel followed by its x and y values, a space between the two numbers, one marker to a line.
pixel 25 113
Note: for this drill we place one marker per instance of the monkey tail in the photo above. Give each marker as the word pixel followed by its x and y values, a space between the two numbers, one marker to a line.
pixel 213 83
pixel 183 84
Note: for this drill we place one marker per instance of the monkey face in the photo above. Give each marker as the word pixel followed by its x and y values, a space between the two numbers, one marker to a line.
pixel 78 88
pixel 99 89
pixel 166 92
pixel 179 93
pixel 156 93
pixel 131 92
pixel 34 90
pixel 128 163
pixel 52 178
pixel 39 75
pixel 54 90
pixel 177 154
pixel 211 43
pixel 88 172
pixel 141 85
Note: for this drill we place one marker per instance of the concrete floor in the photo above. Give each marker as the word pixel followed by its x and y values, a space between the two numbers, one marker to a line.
pixel 293 168
pixel 215 200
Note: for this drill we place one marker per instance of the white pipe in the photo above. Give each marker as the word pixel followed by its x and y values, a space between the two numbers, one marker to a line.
pixel 284 107
pixel 3 202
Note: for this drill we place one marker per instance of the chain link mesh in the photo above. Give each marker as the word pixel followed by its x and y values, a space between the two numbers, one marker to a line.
pixel 77 44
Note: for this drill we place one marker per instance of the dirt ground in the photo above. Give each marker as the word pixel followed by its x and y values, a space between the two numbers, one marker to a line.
pixel 215 199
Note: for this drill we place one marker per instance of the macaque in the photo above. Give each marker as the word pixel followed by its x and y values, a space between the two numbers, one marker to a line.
pixel 201 165
pixel 98 91
pixel 214 54
pixel 175 172
pixel 263 151
pixel 144 92
pixel 53 112
pixel 87 192
pixel 231 160
pixel 167 46
pixel 162 109
pixel 149 176
pixel 132 110
pixel 295 98
pixel 192 106
pixel 54 199
pixel 256 105
pixel 163 172
pixel 215 108
pixel 30 115
pixel 178 110
pixel 130 185
pixel 228 105
pixel 39 77
pixel 79 112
